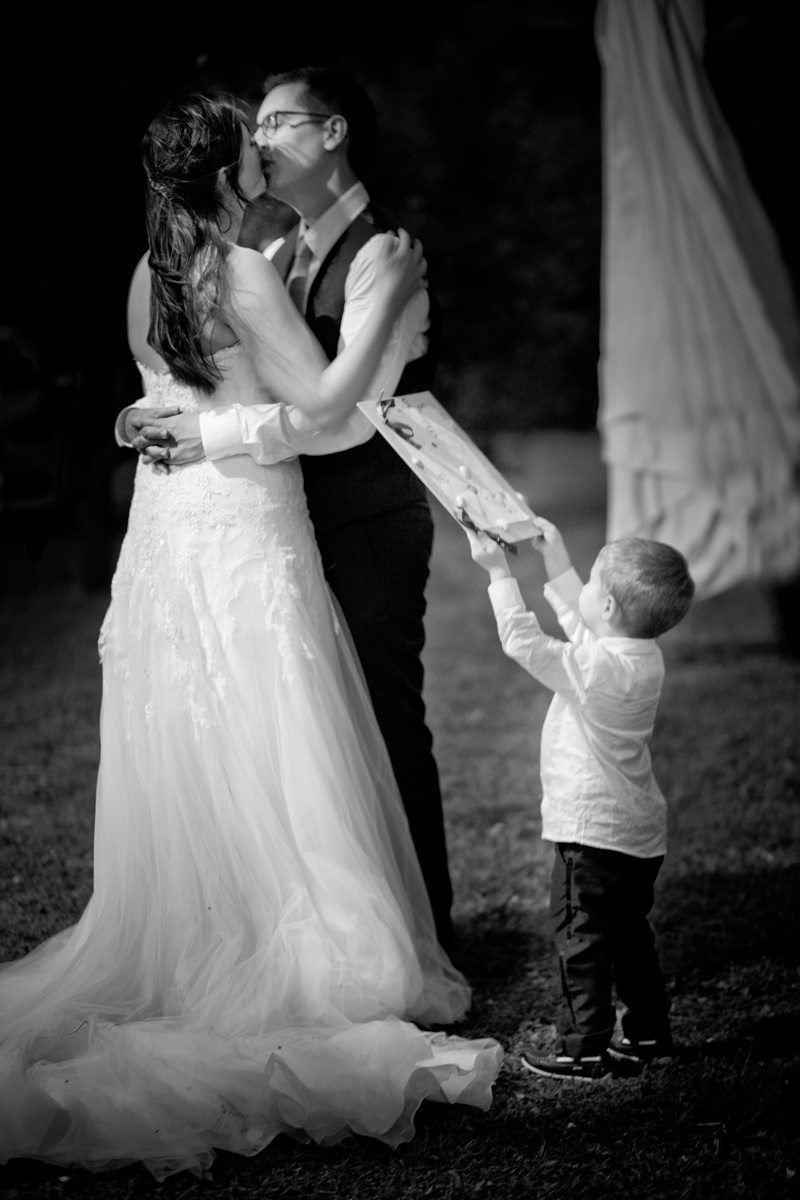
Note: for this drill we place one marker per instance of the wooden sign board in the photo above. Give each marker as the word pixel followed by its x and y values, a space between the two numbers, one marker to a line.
pixel 452 467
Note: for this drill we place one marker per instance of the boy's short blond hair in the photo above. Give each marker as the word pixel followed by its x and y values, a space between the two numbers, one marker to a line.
pixel 650 583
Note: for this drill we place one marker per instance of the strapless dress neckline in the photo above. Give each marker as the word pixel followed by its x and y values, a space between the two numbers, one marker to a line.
pixel 165 370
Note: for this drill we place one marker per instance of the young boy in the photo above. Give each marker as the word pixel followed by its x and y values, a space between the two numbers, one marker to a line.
pixel 601 805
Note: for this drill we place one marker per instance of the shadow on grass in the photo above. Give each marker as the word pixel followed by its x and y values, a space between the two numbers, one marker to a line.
pixel 509 961
pixel 770 1038
pixel 496 949
pixel 716 920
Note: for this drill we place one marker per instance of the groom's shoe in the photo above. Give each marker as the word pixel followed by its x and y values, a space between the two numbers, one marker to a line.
pixel 590 1068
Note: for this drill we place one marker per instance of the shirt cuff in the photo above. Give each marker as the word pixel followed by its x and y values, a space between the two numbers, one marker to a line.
pixel 273 433
pixel 564 588
pixel 221 433
pixel 505 594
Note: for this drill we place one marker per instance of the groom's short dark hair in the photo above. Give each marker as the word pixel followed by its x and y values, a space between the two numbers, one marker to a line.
pixel 337 93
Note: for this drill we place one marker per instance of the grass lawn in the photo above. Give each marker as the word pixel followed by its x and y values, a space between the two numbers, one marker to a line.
pixel 721 1121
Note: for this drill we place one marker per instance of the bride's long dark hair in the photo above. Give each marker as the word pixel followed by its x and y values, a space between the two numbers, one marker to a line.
pixel 184 149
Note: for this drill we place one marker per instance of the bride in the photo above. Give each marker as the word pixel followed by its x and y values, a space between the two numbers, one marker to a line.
pixel 259 940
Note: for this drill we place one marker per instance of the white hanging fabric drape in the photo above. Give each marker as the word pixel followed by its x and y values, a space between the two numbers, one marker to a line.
pixel 700 345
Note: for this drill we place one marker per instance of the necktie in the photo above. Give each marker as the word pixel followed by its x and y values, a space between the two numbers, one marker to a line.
pixel 298 276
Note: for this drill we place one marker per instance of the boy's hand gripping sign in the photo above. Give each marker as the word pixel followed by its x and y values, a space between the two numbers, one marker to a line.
pixel 452 467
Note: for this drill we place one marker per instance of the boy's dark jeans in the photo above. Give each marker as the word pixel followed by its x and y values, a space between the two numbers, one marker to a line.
pixel 599 904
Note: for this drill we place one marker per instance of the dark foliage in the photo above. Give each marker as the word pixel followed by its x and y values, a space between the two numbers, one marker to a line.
pixel 490 135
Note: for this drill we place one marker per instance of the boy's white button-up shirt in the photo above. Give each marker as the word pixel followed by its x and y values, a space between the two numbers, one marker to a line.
pixel 597 784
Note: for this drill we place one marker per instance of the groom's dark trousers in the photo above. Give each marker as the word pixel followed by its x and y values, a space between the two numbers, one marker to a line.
pixel 374 530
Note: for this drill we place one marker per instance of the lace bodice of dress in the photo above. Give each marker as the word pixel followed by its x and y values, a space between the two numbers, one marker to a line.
pixel 201 535
pixel 237 386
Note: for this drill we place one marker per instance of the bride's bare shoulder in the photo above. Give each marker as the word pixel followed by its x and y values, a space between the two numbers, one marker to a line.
pixel 250 266
pixel 139 315
pixel 139 289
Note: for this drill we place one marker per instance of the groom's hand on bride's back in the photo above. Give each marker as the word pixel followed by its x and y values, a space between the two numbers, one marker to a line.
pixel 165 437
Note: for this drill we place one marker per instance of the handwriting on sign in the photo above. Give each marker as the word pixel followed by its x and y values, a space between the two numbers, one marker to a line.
pixel 446 459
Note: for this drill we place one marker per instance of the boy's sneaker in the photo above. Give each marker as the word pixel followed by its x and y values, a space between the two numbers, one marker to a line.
pixel 562 1066
pixel 642 1053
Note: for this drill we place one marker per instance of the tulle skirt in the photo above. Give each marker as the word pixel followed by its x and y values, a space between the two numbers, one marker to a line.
pixel 259 940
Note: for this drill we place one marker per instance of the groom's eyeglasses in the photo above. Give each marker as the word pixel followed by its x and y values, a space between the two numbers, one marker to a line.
pixel 275 120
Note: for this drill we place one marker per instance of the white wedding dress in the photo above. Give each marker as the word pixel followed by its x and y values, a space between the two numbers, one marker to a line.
pixel 259 939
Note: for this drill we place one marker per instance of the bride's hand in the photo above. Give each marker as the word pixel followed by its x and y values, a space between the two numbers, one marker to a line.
pixel 400 268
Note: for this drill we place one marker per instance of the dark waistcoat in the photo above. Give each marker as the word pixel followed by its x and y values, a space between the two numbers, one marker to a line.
pixel 370 478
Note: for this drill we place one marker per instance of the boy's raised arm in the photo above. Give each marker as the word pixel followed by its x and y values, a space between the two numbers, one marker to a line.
pixel 552 549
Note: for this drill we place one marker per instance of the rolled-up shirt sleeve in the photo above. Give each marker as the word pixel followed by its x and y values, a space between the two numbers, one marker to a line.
pixel 271 433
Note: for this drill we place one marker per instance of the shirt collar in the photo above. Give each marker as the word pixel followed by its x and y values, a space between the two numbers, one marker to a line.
pixel 323 235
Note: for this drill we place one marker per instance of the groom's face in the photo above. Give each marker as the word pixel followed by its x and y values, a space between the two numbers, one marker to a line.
pixel 293 154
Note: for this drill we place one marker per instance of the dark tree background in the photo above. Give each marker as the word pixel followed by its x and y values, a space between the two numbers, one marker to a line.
pixel 490 152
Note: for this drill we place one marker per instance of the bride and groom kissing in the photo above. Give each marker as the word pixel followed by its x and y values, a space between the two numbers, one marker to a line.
pixel 370 513
pixel 265 950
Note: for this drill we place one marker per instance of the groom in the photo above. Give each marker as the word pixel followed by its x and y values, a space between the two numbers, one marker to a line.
pixel 370 513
